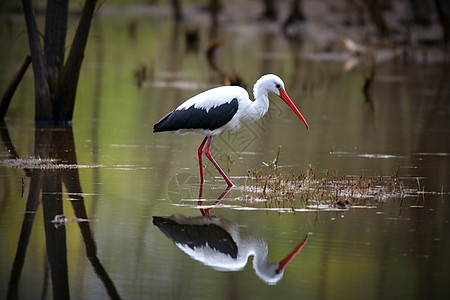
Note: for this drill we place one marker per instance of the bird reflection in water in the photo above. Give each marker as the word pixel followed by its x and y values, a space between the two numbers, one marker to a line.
pixel 222 244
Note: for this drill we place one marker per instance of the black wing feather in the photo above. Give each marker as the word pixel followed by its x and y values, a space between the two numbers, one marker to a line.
pixel 197 235
pixel 196 118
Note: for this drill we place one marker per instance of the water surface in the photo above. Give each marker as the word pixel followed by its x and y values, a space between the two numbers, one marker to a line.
pixel 110 175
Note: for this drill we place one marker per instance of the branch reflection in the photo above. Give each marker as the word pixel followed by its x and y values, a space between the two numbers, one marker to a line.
pixel 55 144
pixel 222 244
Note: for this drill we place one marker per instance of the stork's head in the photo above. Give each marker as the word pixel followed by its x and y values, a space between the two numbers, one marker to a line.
pixel 271 83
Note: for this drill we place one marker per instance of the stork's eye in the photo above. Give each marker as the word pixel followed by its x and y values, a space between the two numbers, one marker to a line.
pixel 277 85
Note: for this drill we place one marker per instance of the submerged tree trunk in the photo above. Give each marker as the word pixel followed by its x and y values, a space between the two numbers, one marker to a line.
pixel 55 81
pixel 43 105
pixel 55 40
pixel 68 80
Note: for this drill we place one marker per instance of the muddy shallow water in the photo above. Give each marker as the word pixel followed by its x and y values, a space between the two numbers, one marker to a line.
pixel 109 175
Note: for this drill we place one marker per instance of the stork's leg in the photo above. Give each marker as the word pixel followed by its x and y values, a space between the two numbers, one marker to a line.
pixel 200 151
pixel 208 154
pixel 205 211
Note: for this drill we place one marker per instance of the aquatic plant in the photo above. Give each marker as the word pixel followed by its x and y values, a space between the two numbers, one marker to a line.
pixel 270 186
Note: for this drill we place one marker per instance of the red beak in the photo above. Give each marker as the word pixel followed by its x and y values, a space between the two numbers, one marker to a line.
pixel 282 264
pixel 284 96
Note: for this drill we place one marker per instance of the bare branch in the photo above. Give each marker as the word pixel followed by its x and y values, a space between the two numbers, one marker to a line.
pixel 42 92
pixel 68 80
pixel 55 38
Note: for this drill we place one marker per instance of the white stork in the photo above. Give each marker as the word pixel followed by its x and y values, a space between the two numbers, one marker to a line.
pixel 224 108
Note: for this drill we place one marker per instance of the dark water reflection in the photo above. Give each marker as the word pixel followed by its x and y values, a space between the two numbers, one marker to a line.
pixel 46 189
pixel 222 244
pixel 109 175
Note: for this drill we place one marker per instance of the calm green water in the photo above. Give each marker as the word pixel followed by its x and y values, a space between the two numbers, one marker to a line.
pixel 397 248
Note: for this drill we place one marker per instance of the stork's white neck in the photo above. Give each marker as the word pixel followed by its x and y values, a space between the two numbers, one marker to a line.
pixel 261 104
pixel 265 271
pixel 260 252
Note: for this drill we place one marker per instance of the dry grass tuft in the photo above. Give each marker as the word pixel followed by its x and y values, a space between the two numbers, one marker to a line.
pixel 269 186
